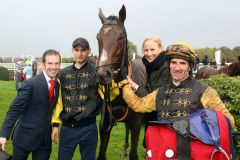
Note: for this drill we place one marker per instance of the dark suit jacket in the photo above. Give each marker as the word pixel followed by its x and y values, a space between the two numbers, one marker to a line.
pixel 32 109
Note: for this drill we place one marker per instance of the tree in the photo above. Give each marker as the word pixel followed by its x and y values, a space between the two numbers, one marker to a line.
pixel 236 51
pixel 226 54
pixel 132 49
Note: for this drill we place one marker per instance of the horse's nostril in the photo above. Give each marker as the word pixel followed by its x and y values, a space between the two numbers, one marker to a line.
pixel 108 73
pixel 104 76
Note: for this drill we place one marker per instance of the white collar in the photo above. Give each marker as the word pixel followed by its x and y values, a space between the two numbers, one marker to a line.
pixel 46 76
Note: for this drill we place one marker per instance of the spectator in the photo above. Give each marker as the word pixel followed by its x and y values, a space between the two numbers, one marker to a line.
pixel 205 60
pixel 19 73
pixel 29 114
pixel 27 71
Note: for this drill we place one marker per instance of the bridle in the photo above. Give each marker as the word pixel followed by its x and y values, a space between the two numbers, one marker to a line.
pixel 112 21
pixel 107 104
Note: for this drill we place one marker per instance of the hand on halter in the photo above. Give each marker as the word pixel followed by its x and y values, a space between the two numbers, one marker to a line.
pixel 123 83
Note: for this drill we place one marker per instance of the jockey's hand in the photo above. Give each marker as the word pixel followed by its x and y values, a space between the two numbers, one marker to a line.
pixel 3 141
pixel 134 85
pixel 122 83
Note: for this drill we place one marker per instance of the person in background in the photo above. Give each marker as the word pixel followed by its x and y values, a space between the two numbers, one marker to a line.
pixel 34 68
pixel 154 60
pixel 18 76
pixel 29 114
pixel 39 66
pixel 174 102
pixel 205 60
pixel 27 71
pixel 78 106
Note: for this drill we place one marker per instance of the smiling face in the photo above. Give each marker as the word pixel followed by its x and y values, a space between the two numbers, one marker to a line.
pixel 52 65
pixel 179 69
pixel 151 50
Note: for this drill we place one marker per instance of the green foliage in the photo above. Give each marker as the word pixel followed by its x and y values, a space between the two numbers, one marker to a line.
pixel 67 60
pixel 4 74
pixel 236 51
pixel 132 49
pixel 228 88
pixel 226 53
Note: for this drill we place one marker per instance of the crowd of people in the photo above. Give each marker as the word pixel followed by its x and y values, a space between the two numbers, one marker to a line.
pixel 69 98
pixel 25 69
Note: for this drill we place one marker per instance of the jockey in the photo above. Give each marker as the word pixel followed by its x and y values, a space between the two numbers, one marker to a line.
pixel 174 103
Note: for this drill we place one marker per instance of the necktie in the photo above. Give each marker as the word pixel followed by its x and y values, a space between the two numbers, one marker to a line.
pixel 51 91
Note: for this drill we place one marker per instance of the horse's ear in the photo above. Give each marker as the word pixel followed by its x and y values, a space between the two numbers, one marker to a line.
pixel 122 14
pixel 101 16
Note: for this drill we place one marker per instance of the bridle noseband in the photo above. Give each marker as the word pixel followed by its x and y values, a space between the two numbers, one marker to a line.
pixel 107 104
pixel 113 21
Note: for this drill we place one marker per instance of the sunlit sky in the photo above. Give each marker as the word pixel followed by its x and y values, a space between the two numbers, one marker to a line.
pixel 31 27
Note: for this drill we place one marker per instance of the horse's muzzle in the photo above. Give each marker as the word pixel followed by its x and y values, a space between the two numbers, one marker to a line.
pixel 104 76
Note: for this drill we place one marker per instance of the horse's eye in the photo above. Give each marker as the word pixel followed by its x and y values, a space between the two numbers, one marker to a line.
pixel 121 37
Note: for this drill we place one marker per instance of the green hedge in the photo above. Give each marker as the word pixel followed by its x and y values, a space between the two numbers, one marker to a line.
pixel 229 90
pixel 4 74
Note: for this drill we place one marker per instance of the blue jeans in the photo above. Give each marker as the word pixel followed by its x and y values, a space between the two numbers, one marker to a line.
pixel 86 137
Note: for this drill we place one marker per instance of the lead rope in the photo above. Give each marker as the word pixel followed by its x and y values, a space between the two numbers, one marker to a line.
pixel 106 104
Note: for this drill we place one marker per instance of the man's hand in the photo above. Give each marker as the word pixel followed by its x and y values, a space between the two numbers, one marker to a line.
pixel 2 143
pixel 55 135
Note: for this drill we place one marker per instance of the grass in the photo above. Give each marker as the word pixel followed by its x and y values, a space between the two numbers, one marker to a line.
pixel 115 147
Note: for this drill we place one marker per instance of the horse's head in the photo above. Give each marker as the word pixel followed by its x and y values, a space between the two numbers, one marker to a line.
pixel 112 44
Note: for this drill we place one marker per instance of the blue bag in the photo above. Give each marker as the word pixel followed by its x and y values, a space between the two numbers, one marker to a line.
pixel 204 126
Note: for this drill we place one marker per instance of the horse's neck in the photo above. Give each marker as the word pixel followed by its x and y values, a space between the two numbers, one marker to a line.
pixel 137 71
pixel 223 70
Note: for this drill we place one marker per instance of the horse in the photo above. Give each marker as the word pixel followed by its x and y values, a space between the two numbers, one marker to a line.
pixel 231 70
pixel 112 61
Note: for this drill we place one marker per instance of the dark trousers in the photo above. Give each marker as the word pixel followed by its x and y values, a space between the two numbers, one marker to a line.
pixel 17 80
pixel 86 137
pixel 40 154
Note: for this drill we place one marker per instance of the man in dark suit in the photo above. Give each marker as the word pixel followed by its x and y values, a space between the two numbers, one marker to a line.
pixel 32 110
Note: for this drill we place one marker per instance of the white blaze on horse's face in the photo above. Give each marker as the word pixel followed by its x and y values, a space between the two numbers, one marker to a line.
pixel 104 57
pixel 106 30
pixel 104 54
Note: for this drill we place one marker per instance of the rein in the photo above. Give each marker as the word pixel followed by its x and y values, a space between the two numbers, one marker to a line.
pixel 107 105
